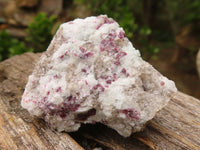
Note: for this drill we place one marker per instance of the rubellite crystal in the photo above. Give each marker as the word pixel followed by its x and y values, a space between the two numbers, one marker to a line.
pixel 91 73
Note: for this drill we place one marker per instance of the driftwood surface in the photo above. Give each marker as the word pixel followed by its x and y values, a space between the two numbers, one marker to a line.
pixel 176 127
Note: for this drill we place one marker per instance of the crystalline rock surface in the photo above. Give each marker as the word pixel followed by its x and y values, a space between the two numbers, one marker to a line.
pixel 91 73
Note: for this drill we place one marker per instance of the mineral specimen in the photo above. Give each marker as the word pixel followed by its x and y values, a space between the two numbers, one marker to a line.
pixel 91 73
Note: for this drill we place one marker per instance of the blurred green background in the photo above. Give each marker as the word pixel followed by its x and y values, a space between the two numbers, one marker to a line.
pixel 167 32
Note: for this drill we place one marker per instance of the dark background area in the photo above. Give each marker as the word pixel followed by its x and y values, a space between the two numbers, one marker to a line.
pixel 165 31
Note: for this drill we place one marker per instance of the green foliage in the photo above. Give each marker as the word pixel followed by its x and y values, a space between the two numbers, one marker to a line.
pixel 18 48
pixel 187 9
pixel 39 37
pixel 40 32
pixel 148 51
pixel 5 39
pixel 10 46
pixel 183 12
pixel 193 11
pixel 145 31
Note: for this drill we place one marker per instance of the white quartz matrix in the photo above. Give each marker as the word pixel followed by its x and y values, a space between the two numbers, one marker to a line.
pixel 91 73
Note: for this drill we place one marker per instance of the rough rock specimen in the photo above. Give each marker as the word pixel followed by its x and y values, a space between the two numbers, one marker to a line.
pixel 91 73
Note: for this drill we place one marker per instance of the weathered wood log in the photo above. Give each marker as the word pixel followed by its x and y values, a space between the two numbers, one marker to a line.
pixel 18 130
pixel 175 127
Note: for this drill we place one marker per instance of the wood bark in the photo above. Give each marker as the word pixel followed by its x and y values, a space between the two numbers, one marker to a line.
pixel 176 127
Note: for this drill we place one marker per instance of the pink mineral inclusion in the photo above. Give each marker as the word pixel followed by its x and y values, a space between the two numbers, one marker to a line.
pixel 66 52
pixel 55 77
pixel 27 100
pixel 62 56
pixel 108 81
pixel 62 114
pixel 82 49
pixel 98 86
pixel 130 113
pixel 104 77
pixel 71 98
pixel 108 43
pixel 71 107
pixel 44 99
pixel 117 63
pixel 120 55
pixel 162 83
pixel 114 76
pixel 106 21
pixel 121 35
pixel 112 35
pixel 59 89
pixel 83 70
pixel 123 71
pixel 88 54
pixel 62 111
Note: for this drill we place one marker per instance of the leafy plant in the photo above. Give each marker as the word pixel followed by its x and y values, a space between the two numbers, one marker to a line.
pixel 11 46
pixel 18 48
pixel 40 32
pixel 148 51
pixel 182 13
pixel 5 39
pixel 39 37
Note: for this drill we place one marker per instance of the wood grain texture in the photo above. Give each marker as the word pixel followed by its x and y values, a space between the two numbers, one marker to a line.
pixel 176 127
pixel 18 130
